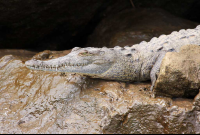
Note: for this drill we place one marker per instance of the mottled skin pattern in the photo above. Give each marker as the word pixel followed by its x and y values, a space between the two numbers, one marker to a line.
pixel 140 62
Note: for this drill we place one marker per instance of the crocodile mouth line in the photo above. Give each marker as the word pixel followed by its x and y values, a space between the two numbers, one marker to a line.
pixel 57 67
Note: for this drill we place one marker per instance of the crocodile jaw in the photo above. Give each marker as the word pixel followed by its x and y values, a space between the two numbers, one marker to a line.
pixel 84 68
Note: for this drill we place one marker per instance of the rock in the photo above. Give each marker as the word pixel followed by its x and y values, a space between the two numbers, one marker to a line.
pixel 49 24
pixel 5 60
pixel 29 99
pixel 196 105
pixel 19 53
pixel 180 73
pixel 50 102
pixel 47 54
pixel 133 26
pixel 64 24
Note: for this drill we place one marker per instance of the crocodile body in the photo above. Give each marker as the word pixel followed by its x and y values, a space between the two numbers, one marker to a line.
pixel 140 62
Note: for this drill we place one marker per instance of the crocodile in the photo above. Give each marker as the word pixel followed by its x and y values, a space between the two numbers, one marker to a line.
pixel 139 62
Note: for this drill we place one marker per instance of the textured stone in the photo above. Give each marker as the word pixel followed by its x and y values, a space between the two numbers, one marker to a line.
pixel 49 102
pixel 50 24
pixel 63 24
pixel 180 73
pixel 133 26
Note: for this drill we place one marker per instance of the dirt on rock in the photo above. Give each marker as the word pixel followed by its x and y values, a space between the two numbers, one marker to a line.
pixel 49 102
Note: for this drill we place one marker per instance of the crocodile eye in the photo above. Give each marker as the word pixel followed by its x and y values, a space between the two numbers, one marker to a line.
pixel 85 53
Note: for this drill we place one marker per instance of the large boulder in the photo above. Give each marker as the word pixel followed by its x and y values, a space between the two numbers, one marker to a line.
pixel 180 73
pixel 131 26
pixel 63 24
pixel 52 24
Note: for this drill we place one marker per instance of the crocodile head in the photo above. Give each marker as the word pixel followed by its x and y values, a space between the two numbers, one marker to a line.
pixel 85 61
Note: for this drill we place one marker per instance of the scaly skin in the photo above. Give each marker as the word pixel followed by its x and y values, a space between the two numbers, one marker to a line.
pixel 139 62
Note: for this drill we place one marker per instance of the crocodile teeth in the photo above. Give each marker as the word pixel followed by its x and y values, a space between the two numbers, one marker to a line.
pixel 69 65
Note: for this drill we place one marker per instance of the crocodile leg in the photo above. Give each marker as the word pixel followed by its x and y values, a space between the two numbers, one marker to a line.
pixel 156 69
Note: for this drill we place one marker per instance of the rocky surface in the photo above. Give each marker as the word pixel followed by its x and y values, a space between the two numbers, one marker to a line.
pixel 47 54
pixel 19 53
pixel 50 102
pixel 180 73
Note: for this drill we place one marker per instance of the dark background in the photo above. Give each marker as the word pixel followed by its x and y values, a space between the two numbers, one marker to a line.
pixel 63 24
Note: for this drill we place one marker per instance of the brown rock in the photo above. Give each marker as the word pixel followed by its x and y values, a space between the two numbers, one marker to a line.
pixel 180 73
pixel 50 102
pixel 47 54
pixel 197 103
pixel 50 24
pixel 19 53
pixel 133 26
